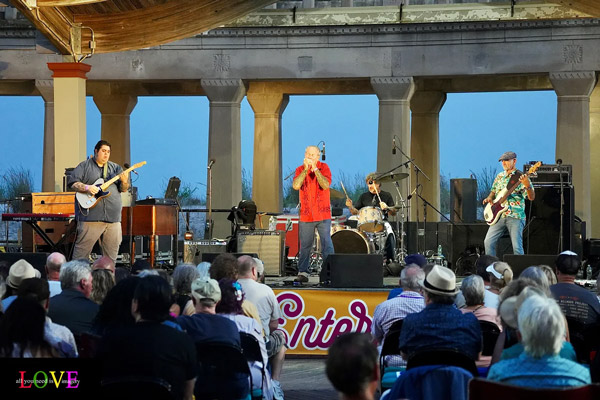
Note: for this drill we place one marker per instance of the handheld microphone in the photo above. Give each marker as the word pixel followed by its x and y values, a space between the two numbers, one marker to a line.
pixel 210 163
pixel 323 157
pixel 127 167
pixel 559 161
pixel 413 192
pixel 394 148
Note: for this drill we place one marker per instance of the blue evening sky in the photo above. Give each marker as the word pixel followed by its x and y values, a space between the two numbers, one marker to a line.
pixel 171 134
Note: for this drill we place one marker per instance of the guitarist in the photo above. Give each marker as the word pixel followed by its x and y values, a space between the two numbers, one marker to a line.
pixel 513 219
pixel 103 221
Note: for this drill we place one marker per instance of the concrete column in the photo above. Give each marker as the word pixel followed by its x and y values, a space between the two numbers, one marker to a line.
pixel 46 89
pixel 115 128
pixel 268 107
pixel 308 3
pixel 425 146
pixel 573 134
pixel 69 117
pixel 224 147
pixel 347 3
pixel 595 161
pixel 394 95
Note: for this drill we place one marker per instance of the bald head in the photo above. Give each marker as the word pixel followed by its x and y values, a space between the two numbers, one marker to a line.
pixel 246 268
pixel 104 262
pixel 53 263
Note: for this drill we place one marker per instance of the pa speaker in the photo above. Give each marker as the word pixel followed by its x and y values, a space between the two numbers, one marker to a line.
pixel 522 261
pixel 463 200
pixel 543 221
pixel 193 250
pixel 353 271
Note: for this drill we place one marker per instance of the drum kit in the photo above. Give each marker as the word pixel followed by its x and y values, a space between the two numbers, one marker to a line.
pixel 365 233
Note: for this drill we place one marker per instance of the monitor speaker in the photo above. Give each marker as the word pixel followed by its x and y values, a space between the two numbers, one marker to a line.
pixel 519 262
pixel 352 271
pixel 269 245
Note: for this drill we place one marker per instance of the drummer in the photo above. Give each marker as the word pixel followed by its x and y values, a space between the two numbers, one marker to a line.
pixel 376 197
pixel 370 198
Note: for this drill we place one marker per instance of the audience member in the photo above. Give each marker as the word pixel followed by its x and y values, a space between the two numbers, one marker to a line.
pixel 500 275
pixel 17 273
pixel 352 366
pixel 183 276
pixel 575 302
pixel 104 262
pixel 408 302
pixel 140 265
pixel 268 308
pixel 489 299
pixel 103 281
pixel 22 331
pixel 473 290
pixel 230 307
pixel 410 260
pixel 203 270
pixel 150 348
pixel 224 266
pixel 53 263
pixel 550 274
pixel 260 270
pixel 4 267
pixel 206 327
pixel 115 310
pixel 58 336
pixel 121 273
pixel 537 275
pixel 542 329
pixel 440 325
pixel 72 307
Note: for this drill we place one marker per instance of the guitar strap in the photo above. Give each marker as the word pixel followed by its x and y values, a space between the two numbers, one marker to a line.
pixel 105 171
pixel 513 179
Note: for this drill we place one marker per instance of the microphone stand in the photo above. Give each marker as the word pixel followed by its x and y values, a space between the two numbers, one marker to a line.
pixel 209 223
pixel 562 210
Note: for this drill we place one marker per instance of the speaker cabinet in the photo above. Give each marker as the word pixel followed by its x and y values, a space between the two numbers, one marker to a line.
pixel 463 200
pixel 352 271
pixel 193 250
pixel 269 245
pixel 520 262
pixel 543 228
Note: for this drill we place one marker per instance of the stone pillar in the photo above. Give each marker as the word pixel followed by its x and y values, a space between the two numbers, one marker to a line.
pixel 46 89
pixel 394 95
pixel 573 134
pixel 595 161
pixel 268 107
pixel 425 147
pixel 224 147
pixel 69 117
pixel 115 128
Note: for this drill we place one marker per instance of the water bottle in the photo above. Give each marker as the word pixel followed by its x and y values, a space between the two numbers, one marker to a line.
pixel 588 273
pixel 439 250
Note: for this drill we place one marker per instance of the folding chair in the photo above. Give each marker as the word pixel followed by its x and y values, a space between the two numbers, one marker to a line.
pixel 490 390
pixel 223 372
pixel 442 357
pixel 136 387
pixel 251 350
pixel 390 347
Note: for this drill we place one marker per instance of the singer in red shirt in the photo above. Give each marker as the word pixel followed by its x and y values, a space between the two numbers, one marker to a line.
pixel 313 179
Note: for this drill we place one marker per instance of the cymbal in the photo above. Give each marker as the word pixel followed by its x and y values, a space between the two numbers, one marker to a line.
pixel 336 194
pixel 393 177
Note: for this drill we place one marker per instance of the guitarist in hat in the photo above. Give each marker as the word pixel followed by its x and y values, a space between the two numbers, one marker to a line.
pixel 513 219
pixel 103 220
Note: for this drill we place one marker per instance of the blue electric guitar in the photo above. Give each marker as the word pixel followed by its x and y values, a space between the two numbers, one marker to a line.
pixel 87 200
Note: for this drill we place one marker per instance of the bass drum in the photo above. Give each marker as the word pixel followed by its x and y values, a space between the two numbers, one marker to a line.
pixel 352 241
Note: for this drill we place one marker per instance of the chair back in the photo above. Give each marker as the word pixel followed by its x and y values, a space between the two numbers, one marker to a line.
pixel 584 337
pixel 442 357
pixel 489 336
pixel 391 340
pixel 432 382
pixel 136 387
pixel 250 347
pixel 87 344
pixel 223 372
pixel 490 390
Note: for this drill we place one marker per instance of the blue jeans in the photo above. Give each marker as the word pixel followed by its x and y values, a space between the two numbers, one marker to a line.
pixel 514 227
pixel 307 237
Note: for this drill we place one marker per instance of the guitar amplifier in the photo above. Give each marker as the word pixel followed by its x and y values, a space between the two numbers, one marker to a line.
pixel 269 245
pixel 193 249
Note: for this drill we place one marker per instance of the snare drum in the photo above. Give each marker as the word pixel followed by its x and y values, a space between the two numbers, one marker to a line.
pixel 370 219
pixel 352 241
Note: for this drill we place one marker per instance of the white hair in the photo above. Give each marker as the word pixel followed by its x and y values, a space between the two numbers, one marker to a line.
pixel 147 272
pixel 542 326
pixel 411 277
pixel 73 272
pixel 473 290
pixel 312 147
